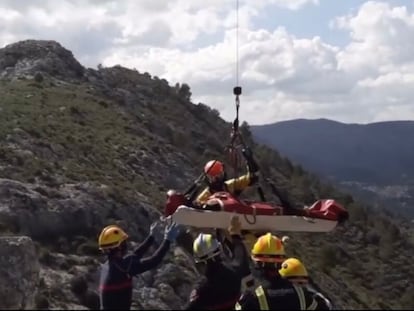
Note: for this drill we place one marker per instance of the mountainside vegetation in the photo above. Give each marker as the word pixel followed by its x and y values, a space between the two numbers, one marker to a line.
pixel 123 138
pixel 371 160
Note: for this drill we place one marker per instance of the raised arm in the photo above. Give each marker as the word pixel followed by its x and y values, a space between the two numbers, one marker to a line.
pixel 141 249
pixel 240 261
pixel 203 196
pixel 137 265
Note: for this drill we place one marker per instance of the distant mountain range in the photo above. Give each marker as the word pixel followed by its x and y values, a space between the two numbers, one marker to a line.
pixel 376 159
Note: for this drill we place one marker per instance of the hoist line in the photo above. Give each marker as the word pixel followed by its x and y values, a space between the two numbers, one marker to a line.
pixel 237 42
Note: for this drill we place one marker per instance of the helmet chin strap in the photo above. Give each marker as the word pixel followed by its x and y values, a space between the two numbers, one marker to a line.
pixel 218 181
pixel 119 251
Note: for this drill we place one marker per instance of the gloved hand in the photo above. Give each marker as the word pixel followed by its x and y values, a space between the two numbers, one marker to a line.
pixel 235 226
pixel 247 152
pixel 154 227
pixel 344 216
pixel 171 231
pixel 251 163
pixel 285 239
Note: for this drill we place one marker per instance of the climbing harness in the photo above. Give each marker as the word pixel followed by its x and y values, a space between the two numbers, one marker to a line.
pixel 236 140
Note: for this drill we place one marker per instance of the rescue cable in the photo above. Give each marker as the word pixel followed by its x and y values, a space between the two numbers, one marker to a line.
pixel 231 149
pixel 237 140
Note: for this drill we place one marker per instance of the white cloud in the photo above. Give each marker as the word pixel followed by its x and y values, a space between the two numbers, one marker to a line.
pixel 287 4
pixel 369 79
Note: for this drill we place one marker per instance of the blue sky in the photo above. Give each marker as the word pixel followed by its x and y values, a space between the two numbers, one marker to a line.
pixel 313 20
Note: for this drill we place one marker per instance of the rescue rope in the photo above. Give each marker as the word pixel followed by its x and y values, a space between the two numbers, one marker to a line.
pixel 237 43
pixel 237 142
pixel 254 216
pixel 233 149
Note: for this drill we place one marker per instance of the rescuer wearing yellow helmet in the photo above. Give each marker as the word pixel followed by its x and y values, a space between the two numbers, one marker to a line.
pixel 295 271
pixel 274 292
pixel 115 288
pixel 268 252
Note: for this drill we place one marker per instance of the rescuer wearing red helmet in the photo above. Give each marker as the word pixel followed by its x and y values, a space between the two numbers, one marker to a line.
pixel 217 178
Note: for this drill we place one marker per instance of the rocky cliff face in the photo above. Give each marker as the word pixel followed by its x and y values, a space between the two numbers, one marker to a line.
pixel 20 273
pixel 43 212
pixel 67 277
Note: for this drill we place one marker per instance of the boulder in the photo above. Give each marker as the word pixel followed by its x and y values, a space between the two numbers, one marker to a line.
pixel 30 57
pixel 19 276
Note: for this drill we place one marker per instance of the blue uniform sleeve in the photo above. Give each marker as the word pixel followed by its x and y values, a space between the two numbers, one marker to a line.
pixel 144 246
pixel 137 265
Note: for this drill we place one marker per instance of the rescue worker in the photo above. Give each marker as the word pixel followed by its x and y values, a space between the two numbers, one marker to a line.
pixel 217 178
pixel 115 288
pixel 294 270
pixel 274 292
pixel 217 181
pixel 269 248
pixel 221 285
pixel 250 242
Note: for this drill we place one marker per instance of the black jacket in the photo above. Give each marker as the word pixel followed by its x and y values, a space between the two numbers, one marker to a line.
pixel 220 289
pixel 278 294
pixel 115 287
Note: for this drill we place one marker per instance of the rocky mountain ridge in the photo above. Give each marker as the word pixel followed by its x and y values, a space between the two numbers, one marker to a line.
pixel 83 148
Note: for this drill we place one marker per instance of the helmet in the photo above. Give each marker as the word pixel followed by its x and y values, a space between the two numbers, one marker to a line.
pixel 268 248
pixel 293 268
pixel 214 169
pixel 205 247
pixel 111 237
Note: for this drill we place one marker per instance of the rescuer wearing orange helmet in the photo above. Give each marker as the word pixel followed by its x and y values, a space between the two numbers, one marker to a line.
pixel 217 178
pixel 294 270
pixel 217 181
pixel 274 292
pixel 115 288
